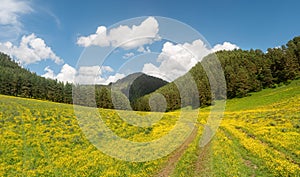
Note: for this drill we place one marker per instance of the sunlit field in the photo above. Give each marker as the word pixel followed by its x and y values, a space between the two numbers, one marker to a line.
pixel 258 136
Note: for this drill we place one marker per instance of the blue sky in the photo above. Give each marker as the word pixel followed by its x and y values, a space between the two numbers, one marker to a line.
pixel 59 24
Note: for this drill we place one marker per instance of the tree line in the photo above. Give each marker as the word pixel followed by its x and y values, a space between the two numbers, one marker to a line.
pixel 17 81
pixel 245 71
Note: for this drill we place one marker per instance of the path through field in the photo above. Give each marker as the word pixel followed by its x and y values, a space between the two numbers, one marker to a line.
pixel 175 157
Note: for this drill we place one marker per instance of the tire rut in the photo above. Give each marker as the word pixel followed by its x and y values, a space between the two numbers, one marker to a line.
pixel 175 157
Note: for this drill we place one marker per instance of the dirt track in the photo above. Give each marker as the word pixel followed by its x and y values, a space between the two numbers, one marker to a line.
pixel 174 158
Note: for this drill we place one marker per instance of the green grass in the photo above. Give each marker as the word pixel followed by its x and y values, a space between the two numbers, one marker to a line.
pixel 40 138
pixel 269 117
pixel 264 97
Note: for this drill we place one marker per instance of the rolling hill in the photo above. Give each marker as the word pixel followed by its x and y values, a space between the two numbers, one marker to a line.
pixel 18 81
pixel 137 85
pixel 245 72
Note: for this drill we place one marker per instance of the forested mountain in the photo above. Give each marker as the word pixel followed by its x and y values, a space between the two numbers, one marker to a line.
pixel 17 81
pixel 137 85
pixel 119 95
pixel 245 71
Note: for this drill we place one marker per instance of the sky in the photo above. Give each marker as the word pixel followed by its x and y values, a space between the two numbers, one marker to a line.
pixel 52 38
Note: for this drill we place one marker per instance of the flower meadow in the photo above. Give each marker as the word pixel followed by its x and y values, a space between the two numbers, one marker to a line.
pixel 258 136
pixel 41 138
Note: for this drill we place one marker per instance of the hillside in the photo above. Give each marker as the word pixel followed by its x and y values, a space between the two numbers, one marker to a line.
pixel 118 95
pixel 40 138
pixel 258 136
pixel 137 85
pixel 245 72
pixel 18 81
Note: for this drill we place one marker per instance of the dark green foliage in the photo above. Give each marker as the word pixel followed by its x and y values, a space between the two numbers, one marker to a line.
pixel 285 61
pixel 244 71
pixel 117 95
pixel 137 85
pixel 103 97
pixel 143 85
pixel 17 81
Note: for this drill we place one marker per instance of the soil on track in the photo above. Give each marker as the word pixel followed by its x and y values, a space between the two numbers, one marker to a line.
pixel 174 158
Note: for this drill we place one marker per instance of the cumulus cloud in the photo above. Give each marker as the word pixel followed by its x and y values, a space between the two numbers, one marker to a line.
pixel 143 49
pixel 67 74
pixel 100 38
pixel 114 78
pixel 106 69
pixel 123 36
pixel 30 50
pixel 11 9
pixel 177 59
pixel 84 75
pixel 49 73
pixel 10 12
pixel 89 75
pixel 224 46
pixel 128 55
pixel 94 75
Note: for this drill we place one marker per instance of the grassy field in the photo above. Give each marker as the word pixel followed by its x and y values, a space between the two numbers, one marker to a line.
pixel 258 136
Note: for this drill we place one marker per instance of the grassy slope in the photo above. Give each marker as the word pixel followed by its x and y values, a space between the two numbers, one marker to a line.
pixel 259 136
pixel 40 138
pixel 43 138
pixel 264 97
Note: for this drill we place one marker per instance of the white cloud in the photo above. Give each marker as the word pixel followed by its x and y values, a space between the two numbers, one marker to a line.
pixel 11 9
pixel 155 71
pixel 114 78
pixel 89 70
pixel 94 75
pixel 99 38
pixel 224 46
pixel 30 50
pixel 177 59
pixel 89 75
pixel 94 70
pixel 10 12
pixel 84 75
pixel 143 49
pixel 67 74
pixel 49 73
pixel 123 36
pixel 106 69
pixel 128 55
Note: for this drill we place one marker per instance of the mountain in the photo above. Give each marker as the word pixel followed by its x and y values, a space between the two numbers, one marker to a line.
pixel 18 81
pixel 137 85
pixel 245 71
pixel 123 93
